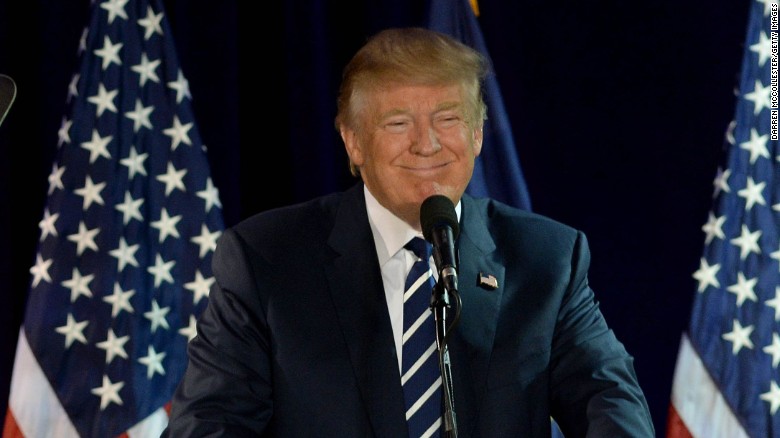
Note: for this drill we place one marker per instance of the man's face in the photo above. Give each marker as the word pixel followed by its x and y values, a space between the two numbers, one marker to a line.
pixel 414 142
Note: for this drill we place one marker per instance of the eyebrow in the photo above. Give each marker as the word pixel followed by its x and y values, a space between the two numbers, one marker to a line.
pixel 444 106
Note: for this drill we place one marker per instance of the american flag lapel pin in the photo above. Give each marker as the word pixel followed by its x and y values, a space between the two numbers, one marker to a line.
pixel 487 281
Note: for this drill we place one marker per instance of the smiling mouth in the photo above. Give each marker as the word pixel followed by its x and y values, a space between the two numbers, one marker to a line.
pixel 427 168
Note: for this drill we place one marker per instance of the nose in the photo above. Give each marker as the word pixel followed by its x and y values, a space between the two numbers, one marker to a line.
pixel 425 141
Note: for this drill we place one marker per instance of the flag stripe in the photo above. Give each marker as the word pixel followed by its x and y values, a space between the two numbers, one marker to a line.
pixel 34 405
pixel 675 427
pixel 698 403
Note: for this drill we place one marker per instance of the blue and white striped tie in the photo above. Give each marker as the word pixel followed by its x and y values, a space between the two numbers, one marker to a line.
pixel 420 375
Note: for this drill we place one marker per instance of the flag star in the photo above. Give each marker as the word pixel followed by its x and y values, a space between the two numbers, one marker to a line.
pixel 747 242
pixel 730 129
pixel 104 100
pixel 146 70
pixel 140 116
pixel 182 87
pixel 178 133
pixel 47 224
pixel 114 346
pixel 161 271
pixel 91 192
pixel 109 53
pixel 772 397
pixel 167 225
pixel 40 270
pixel 151 23
pixel 84 238
pixel 752 193
pixel 776 255
pixel 199 287
pixel 760 97
pixel 97 146
pixel 721 181
pixel 763 48
pixel 775 303
pixel 210 194
pixel 173 179
pixel 115 8
pixel 108 392
pixel 73 331
pixel 125 254
pixel 774 349
pixel 153 362
pixel 206 240
pixel 756 145
pixel 55 178
pixel 83 40
pixel 135 163
pixel 191 330
pixel 130 208
pixel 739 336
pixel 157 316
pixel 714 228
pixel 73 90
pixel 119 300
pixel 63 134
pixel 706 275
pixel 78 285
pixel 776 207
pixel 743 289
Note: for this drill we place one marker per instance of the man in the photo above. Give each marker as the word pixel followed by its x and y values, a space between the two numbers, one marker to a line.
pixel 305 334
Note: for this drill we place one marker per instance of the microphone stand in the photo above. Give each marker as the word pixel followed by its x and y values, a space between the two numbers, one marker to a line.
pixel 440 302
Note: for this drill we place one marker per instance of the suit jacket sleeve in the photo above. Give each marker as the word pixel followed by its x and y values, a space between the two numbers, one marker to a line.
pixel 594 386
pixel 229 358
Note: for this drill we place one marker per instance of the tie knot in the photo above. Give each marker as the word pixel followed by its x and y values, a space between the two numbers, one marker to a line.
pixel 420 248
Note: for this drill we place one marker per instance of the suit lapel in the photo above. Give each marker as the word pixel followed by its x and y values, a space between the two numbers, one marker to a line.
pixel 355 284
pixel 472 342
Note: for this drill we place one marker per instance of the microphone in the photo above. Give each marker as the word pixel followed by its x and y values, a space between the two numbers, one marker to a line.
pixel 7 95
pixel 440 227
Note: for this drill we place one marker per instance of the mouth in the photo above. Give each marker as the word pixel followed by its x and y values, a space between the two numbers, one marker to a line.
pixel 426 168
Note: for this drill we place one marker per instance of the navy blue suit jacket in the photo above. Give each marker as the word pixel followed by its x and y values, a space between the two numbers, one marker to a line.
pixel 296 340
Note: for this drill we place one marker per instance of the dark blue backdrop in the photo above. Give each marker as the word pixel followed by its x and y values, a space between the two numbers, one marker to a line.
pixel 618 112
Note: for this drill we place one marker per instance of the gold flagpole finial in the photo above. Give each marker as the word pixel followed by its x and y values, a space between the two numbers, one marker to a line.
pixel 474 7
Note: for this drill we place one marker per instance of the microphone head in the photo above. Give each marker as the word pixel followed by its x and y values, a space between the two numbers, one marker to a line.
pixel 437 211
pixel 7 95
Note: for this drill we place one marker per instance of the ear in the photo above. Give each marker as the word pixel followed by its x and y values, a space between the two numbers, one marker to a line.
pixel 352 145
pixel 478 136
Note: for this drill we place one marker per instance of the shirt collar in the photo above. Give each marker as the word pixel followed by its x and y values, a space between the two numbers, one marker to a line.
pixel 390 232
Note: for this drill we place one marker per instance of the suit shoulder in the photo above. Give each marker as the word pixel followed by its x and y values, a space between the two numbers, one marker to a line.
pixel 279 223
pixel 498 212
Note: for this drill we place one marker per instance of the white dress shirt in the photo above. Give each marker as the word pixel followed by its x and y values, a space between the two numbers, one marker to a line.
pixel 390 235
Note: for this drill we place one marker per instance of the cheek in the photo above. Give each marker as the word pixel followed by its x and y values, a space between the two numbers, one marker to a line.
pixel 386 148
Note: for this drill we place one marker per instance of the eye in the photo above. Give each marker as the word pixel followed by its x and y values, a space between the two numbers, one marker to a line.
pixel 397 125
pixel 447 120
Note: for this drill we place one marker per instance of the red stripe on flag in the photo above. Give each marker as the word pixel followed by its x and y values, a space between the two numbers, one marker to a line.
pixel 675 428
pixel 11 429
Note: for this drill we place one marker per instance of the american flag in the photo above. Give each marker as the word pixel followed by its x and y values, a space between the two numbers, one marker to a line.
pixel 726 381
pixel 132 217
